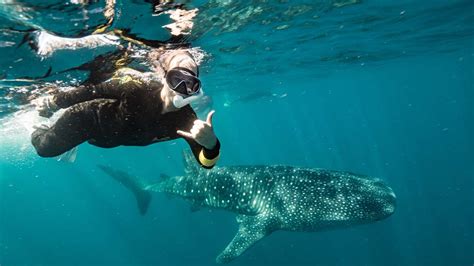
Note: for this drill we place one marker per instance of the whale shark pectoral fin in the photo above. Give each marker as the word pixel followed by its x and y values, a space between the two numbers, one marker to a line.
pixel 196 205
pixel 251 230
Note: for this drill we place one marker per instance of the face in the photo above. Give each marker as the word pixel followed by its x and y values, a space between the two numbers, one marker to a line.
pixel 167 95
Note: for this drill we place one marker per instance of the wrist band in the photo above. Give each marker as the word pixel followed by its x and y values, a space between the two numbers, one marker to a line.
pixel 207 162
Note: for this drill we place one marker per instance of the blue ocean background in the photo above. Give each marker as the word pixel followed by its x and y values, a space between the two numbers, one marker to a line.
pixel 374 87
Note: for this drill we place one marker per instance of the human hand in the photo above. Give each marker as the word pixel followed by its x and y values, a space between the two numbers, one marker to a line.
pixel 202 132
pixel 46 106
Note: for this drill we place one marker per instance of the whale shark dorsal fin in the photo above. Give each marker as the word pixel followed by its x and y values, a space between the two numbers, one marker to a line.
pixel 251 230
pixel 195 206
pixel 190 165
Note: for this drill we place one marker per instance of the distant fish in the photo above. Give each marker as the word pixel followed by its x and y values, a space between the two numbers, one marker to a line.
pixel 270 198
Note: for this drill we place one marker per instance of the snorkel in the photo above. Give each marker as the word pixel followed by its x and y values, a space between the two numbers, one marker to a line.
pixel 179 101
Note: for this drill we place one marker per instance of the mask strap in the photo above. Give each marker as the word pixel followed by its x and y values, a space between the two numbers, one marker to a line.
pixel 185 70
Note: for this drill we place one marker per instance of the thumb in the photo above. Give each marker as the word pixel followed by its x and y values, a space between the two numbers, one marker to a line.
pixel 209 117
pixel 185 134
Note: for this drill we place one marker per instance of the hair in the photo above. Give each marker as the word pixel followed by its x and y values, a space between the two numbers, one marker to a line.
pixel 161 60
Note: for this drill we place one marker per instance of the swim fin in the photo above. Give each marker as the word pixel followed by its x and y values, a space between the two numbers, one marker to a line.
pixel 69 156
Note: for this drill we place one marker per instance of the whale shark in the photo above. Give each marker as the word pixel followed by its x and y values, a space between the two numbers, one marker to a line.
pixel 267 198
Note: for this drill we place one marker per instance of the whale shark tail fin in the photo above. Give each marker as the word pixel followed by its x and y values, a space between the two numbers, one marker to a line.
pixel 191 167
pixel 137 186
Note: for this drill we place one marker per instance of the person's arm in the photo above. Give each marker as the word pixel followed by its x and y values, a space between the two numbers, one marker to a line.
pixel 112 89
pixel 109 89
pixel 205 157
pixel 201 138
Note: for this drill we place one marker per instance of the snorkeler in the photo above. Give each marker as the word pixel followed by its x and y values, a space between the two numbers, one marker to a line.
pixel 134 109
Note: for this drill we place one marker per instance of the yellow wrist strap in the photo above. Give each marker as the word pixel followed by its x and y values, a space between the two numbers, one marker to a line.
pixel 207 162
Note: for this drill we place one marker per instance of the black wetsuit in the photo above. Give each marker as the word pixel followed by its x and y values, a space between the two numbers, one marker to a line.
pixel 121 111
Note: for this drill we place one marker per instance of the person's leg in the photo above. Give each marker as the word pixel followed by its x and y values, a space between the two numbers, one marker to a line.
pixel 75 126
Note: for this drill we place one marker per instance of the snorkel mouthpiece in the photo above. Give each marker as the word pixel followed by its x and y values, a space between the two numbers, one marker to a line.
pixel 179 101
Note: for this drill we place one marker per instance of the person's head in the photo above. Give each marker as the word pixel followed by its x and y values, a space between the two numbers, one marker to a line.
pixel 185 85
pixel 181 78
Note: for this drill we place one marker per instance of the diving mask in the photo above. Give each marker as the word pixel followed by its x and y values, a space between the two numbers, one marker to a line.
pixel 186 85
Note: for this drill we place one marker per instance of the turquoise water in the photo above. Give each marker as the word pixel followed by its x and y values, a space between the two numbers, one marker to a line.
pixel 373 87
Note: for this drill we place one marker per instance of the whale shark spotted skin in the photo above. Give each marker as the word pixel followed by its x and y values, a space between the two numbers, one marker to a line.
pixel 270 198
